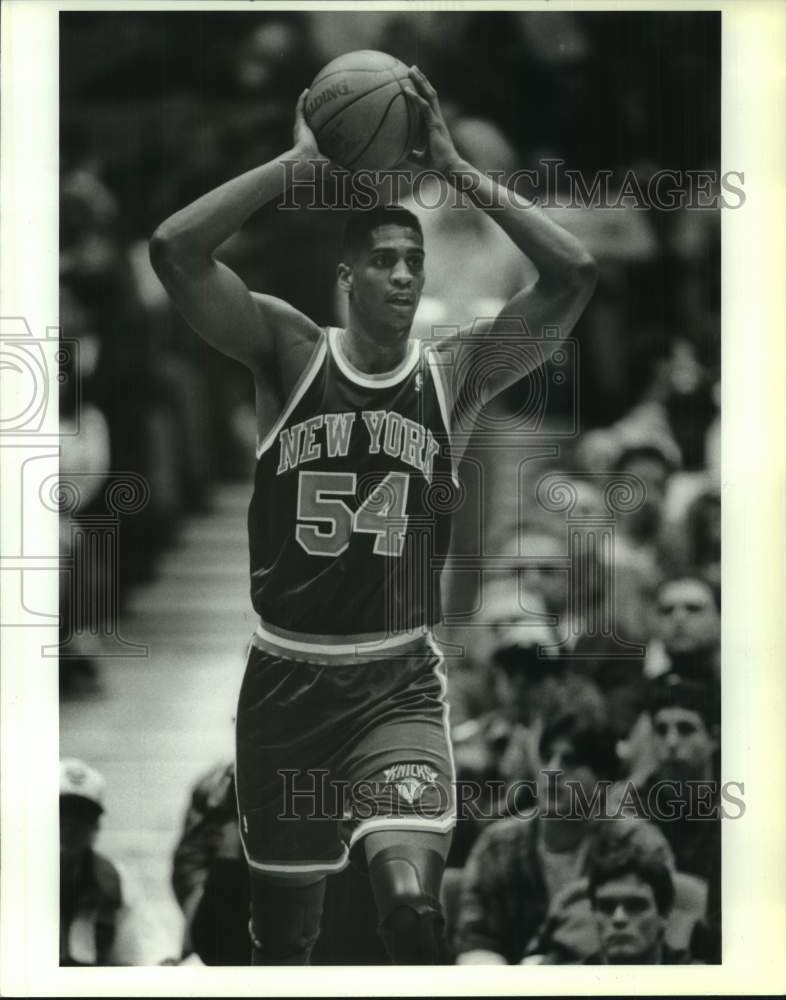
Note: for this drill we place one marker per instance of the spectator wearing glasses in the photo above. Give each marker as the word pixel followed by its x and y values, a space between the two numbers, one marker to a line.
pixel 631 893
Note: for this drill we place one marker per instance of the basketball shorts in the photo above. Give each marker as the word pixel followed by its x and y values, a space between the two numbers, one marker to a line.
pixel 327 752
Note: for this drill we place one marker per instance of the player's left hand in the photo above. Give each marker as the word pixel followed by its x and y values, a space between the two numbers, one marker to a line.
pixel 439 152
pixel 305 140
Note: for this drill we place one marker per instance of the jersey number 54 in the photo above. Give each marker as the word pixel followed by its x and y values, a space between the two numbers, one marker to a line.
pixel 381 513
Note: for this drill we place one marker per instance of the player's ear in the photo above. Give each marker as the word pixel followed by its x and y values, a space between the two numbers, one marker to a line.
pixel 344 274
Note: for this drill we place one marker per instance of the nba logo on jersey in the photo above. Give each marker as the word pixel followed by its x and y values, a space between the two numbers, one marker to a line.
pixel 418 382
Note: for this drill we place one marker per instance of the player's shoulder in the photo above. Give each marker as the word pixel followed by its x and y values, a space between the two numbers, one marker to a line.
pixel 285 321
pixel 295 339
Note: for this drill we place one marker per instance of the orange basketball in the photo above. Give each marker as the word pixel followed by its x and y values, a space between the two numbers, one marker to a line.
pixel 359 112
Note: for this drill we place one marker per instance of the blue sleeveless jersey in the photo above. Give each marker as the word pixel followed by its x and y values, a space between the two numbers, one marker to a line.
pixel 349 522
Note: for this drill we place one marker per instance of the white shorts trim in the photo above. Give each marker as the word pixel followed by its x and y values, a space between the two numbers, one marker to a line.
pixel 354 649
pixel 296 868
pixel 441 825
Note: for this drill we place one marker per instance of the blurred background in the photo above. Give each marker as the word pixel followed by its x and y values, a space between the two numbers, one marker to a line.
pixel 157 108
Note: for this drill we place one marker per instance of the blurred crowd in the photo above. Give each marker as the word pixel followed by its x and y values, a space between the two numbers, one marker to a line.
pixel 590 628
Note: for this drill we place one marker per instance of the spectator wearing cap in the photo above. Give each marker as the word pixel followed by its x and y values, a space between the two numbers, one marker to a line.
pixel 103 919
pixel 687 632
pixel 520 863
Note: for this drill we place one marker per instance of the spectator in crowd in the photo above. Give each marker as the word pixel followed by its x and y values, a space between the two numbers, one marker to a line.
pixel 520 863
pixel 565 638
pixel 84 467
pixel 638 547
pixel 570 933
pixel 209 874
pixel 687 637
pixel 501 744
pixel 631 892
pixel 653 467
pixel 703 532
pixel 103 916
pixel 681 794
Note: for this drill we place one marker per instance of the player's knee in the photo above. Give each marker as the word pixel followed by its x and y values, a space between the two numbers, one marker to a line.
pixel 406 889
pixel 414 932
pixel 285 922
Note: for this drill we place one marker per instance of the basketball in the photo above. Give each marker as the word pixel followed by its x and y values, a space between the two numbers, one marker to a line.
pixel 359 113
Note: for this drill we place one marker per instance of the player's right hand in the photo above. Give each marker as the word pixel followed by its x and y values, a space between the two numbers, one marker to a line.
pixel 305 140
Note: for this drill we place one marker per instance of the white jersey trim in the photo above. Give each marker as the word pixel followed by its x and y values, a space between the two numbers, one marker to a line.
pixel 298 392
pixel 442 399
pixel 383 380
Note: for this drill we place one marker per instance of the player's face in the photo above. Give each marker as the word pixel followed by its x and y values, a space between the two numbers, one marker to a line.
pixel 683 745
pixel 688 620
pixel 629 924
pixel 387 278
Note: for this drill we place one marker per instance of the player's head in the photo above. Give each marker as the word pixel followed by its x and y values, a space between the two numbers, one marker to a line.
pixel 631 892
pixel 381 268
pixel 685 715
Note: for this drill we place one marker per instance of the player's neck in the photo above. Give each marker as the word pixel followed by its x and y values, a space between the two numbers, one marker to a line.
pixel 367 354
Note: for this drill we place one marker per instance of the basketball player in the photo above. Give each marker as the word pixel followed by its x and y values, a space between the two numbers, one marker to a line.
pixel 343 695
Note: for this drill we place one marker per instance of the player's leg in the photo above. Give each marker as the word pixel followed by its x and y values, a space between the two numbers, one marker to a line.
pixel 405 868
pixel 285 918
pixel 288 821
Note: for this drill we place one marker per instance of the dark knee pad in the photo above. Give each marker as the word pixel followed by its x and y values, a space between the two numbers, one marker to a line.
pixel 406 884
pixel 285 921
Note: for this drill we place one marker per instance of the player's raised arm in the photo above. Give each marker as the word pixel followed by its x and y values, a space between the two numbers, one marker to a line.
pixel 211 297
pixel 566 270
